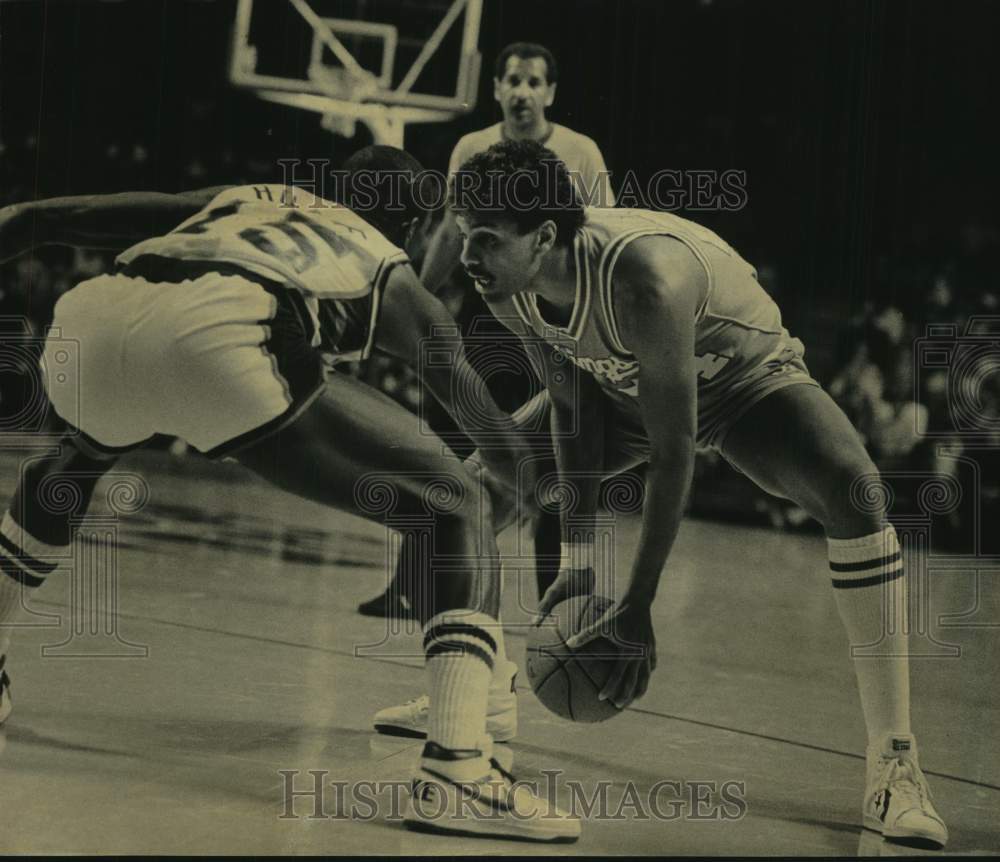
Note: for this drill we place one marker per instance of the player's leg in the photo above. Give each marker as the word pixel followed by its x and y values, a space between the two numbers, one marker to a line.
pixel 36 532
pixel 354 444
pixel 797 443
pixel 548 539
pixel 225 361
pixel 354 448
pixel 533 420
pixel 55 487
pixel 626 448
pixel 87 385
pixel 235 374
pixel 410 718
pixel 340 443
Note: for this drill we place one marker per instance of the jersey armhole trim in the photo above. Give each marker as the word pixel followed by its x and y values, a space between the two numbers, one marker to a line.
pixel 606 288
pixel 378 289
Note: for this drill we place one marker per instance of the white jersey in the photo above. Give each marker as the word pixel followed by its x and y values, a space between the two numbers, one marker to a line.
pixel 323 250
pixel 285 234
pixel 739 336
pixel 580 154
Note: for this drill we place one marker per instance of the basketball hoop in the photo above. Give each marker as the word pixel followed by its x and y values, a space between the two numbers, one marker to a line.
pixel 350 73
pixel 343 86
pixel 348 85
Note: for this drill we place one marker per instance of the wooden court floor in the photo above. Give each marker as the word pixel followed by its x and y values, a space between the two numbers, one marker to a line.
pixel 235 663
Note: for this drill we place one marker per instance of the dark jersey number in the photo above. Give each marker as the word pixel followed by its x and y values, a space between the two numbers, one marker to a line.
pixel 298 252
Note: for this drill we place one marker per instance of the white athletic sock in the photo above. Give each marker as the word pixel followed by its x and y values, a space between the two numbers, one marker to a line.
pixel 870 589
pixel 460 647
pixel 25 562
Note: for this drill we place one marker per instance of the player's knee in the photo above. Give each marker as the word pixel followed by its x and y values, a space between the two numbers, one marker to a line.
pixel 855 499
pixel 455 498
pixel 472 511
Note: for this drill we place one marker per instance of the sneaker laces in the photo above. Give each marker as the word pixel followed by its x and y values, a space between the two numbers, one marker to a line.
pixel 908 782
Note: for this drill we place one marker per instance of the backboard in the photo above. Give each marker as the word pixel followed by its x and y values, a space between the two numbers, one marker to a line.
pixel 384 62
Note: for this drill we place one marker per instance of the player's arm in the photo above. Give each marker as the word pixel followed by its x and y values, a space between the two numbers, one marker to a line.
pixel 414 326
pixel 113 221
pixel 657 288
pixel 577 428
pixel 577 425
pixel 445 247
pixel 443 253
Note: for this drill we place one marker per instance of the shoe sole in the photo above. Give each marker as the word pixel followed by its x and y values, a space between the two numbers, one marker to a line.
pixel 394 730
pixel 380 613
pixel 410 733
pixel 908 839
pixel 436 829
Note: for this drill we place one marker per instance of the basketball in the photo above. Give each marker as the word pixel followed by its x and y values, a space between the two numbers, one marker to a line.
pixel 567 681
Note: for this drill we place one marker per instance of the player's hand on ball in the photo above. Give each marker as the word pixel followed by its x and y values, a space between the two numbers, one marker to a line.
pixel 568 583
pixel 629 625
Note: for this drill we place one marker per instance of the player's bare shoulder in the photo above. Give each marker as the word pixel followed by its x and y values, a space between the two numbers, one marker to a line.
pixel 658 275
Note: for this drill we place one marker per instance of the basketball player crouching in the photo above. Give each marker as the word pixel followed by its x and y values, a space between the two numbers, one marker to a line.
pixel 220 332
pixel 680 348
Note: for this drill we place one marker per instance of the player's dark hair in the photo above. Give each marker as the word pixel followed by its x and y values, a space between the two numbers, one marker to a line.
pixel 523 181
pixel 378 184
pixel 528 51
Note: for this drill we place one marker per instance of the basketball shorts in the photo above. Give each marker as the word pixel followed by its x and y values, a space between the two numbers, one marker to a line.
pixel 722 403
pixel 719 409
pixel 218 357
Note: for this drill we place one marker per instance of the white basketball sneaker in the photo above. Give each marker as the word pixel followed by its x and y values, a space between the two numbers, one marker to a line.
pixel 493 806
pixel 410 719
pixel 897 797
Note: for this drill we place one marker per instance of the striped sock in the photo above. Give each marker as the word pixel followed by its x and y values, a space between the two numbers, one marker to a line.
pixel 870 588
pixel 460 646
pixel 25 562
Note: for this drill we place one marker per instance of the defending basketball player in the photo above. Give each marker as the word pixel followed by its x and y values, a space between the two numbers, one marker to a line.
pixel 681 349
pixel 222 332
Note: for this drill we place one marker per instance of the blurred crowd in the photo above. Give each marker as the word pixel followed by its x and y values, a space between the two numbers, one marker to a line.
pixel 919 378
pixel 903 406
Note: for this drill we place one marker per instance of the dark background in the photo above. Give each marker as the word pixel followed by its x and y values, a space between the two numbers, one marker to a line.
pixel 864 128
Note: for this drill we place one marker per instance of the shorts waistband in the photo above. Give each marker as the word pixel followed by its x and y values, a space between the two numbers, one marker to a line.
pixel 170 270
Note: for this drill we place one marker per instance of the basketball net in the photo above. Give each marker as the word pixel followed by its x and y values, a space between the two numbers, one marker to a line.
pixel 343 85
